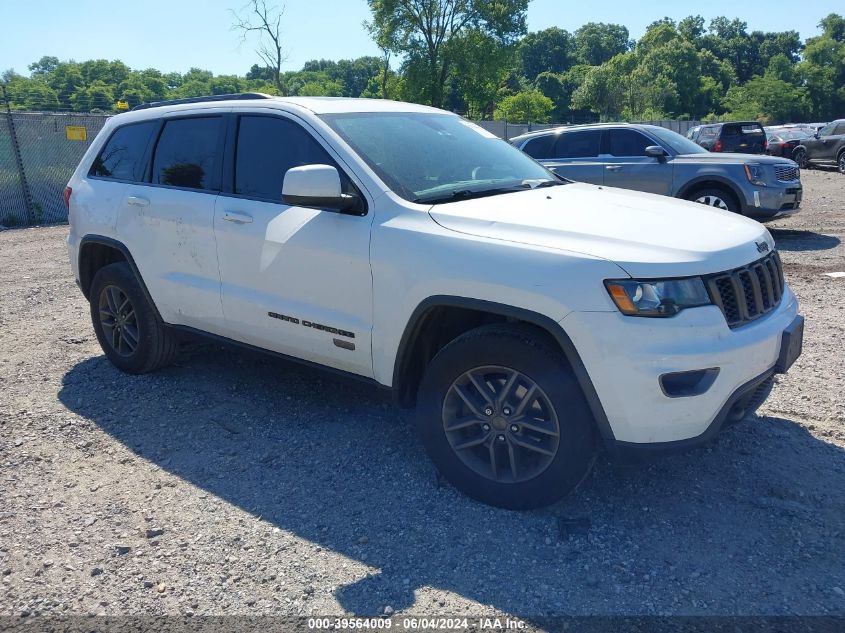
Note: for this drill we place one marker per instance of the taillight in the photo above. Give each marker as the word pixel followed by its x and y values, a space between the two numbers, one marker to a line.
pixel 765 145
pixel 717 146
pixel 67 193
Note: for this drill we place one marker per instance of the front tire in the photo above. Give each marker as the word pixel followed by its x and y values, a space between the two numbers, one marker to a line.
pixel 715 197
pixel 127 327
pixel 800 157
pixel 503 418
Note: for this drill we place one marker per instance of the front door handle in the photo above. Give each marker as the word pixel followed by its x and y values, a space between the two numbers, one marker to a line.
pixel 613 167
pixel 137 201
pixel 237 217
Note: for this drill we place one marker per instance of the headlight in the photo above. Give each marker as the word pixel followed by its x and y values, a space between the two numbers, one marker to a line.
pixel 657 298
pixel 755 175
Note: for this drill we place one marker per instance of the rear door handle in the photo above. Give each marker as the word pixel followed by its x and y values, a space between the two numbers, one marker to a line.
pixel 237 217
pixel 137 201
pixel 613 167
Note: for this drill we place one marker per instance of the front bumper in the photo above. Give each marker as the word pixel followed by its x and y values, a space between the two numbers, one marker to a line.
pixel 768 203
pixel 626 356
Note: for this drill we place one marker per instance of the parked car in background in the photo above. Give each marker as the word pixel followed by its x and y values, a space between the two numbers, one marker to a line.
pixel 826 147
pixel 783 141
pixel 743 137
pixel 654 159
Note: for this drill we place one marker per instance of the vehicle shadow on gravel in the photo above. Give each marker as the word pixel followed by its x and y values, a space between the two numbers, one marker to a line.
pixel 799 240
pixel 752 524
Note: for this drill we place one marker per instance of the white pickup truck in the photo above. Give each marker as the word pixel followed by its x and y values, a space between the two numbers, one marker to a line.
pixel 531 320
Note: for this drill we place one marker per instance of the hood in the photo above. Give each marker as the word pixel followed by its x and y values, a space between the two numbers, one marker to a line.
pixel 731 158
pixel 647 235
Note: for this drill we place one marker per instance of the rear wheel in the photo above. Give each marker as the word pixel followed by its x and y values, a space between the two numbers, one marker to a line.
pixel 131 335
pixel 715 197
pixel 504 420
pixel 800 157
pixel 841 163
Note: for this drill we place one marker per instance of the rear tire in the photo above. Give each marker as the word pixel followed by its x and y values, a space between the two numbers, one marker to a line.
pixel 840 163
pixel 132 336
pixel 715 197
pixel 503 418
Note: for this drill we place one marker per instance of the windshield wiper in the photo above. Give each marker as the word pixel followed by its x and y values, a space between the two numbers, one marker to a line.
pixel 469 194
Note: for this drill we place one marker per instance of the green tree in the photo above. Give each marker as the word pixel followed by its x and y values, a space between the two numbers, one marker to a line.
pixel 548 51
pixel 529 106
pixel 426 32
pixel 597 42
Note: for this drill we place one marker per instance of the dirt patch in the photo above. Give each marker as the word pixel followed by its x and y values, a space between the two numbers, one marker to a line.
pixel 236 484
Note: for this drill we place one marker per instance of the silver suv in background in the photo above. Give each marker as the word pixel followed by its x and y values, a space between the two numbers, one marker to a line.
pixel 656 160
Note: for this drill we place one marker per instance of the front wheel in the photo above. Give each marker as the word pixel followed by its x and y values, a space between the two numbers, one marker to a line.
pixel 800 157
pixel 714 197
pixel 503 418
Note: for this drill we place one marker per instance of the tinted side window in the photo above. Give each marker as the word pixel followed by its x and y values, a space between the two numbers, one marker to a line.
pixel 540 147
pixel 827 130
pixel 186 154
pixel 267 148
pixel 584 144
pixel 122 156
pixel 840 130
pixel 628 143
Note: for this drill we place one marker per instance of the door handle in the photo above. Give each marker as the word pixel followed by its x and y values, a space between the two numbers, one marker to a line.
pixel 613 167
pixel 237 217
pixel 137 201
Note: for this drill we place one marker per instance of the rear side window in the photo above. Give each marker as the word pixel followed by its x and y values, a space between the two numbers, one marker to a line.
pixel 122 157
pixel 628 143
pixel 267 148
pixel 541 147
pixel 584 144
pixel 707 132
pixel 187 153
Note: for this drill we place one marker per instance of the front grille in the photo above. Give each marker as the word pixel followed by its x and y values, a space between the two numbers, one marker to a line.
pixel 786 173
pixel 747 293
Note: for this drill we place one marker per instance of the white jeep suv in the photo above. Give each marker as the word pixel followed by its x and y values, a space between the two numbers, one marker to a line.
pixel 530 319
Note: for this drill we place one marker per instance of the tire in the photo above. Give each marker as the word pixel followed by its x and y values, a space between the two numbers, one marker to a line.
pixel 715 197
pixel 799 155
pixel 132 336
pixel 486 355
pixel 840 162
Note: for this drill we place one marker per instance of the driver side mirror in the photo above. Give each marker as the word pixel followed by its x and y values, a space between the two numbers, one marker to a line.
pixel 655 151
pixel 317 186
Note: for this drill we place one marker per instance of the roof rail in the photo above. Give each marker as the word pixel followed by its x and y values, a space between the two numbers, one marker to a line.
pixel 231 97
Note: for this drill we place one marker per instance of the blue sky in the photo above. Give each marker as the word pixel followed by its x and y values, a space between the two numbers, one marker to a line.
pixel 178 34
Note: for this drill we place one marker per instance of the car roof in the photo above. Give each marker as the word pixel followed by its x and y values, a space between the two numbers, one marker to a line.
pixel 587 126
pixel 316 105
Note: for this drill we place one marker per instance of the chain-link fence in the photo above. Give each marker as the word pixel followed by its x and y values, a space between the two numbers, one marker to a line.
pixel 38 153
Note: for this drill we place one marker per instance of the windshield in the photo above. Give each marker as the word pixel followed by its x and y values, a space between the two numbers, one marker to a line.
pixel 432 157
pixel 679 144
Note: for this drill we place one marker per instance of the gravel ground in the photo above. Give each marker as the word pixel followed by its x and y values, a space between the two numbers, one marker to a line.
pixel 232 483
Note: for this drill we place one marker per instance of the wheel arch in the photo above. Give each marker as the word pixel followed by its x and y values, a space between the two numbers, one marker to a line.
pixel 96 251
pixel 419 343
pixel 718 182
